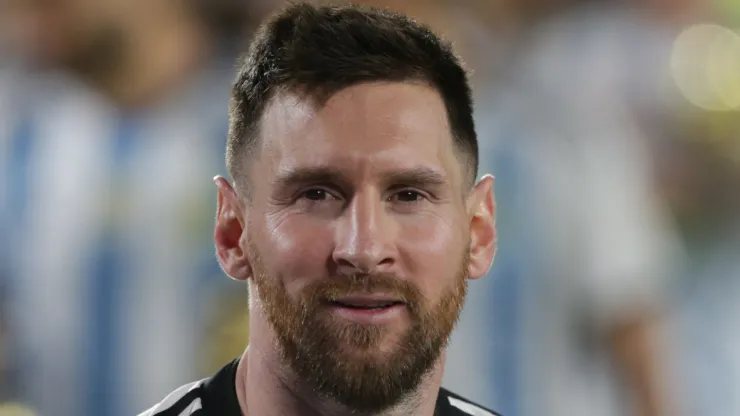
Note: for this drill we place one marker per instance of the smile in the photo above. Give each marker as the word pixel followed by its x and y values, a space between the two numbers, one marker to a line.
pixel 367 309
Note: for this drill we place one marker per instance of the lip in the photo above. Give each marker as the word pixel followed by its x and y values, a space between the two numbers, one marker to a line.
pixel 369 301
pixel 367 315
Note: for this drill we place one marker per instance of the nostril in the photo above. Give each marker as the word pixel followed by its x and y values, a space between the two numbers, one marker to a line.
pixel 344 263
pixel 361 264
pixel 386 262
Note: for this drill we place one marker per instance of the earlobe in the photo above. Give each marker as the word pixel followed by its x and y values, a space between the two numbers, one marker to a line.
pixel 229 232
pixel 482 228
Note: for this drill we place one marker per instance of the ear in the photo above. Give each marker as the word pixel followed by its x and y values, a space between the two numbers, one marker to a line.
pixel 230 228
pixel 482 213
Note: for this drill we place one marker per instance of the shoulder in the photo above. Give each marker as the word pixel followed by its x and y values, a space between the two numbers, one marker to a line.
pixel 183 401
pixel 214 396
pixel 451 404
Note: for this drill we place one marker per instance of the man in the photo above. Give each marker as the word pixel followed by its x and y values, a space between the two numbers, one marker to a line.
pixel 698 170
pixel 354 216
pixel 573 306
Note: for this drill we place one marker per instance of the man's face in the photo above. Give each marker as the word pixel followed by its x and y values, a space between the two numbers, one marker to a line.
pixel 358 238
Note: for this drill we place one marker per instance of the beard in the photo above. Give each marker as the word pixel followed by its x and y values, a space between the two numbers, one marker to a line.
pixel 342 360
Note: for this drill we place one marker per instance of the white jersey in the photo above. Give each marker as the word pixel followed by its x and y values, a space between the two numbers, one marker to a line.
pixel 107 221
pixel 583 240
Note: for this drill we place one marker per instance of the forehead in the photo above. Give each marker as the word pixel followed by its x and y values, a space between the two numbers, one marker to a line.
pixel 365 128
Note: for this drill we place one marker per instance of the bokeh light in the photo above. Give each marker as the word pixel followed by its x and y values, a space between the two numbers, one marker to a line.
pixel 16 409
pixel 705 64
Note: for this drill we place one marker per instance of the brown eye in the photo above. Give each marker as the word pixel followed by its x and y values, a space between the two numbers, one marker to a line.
pixel 316 195
pixel 408 196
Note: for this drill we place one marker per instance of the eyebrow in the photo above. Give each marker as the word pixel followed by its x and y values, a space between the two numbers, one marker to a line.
pixel 418 176
pixel 322 174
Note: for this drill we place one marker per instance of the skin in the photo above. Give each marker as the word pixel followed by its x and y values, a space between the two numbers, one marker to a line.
pixel 396 204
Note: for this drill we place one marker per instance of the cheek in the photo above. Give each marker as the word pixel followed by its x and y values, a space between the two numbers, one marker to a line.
pixel 296 250
pixel 432 250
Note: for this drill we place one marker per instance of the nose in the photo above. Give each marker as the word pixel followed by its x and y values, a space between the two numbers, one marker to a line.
pixel 364 236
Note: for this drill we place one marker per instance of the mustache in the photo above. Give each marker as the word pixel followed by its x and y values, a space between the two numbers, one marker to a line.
pixel 363 284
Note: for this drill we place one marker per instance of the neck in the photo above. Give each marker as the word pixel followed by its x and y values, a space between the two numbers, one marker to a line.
pixel 157 54
pixel 264 386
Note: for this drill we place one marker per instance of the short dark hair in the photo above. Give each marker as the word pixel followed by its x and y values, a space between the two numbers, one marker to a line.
pixel 320 50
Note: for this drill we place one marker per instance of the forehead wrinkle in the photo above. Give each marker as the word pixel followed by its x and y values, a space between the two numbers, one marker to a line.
pixel 291 113
pixel 295 122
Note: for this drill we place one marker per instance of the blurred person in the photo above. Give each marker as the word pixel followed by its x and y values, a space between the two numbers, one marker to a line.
pixel 698 167
pixel 355 216
pixel 111 114
pixel 574 303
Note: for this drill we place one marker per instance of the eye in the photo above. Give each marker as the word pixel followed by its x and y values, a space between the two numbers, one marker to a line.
pixel 317 195
pixel 321 202
pixel 408 196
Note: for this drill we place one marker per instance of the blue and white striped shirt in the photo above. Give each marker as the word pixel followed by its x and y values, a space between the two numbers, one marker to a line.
pixel 107 223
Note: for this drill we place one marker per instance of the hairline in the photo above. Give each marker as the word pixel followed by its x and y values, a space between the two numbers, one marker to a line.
pixel 320 98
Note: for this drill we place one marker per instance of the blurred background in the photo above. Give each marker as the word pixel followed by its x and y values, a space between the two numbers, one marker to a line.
pixel 612 127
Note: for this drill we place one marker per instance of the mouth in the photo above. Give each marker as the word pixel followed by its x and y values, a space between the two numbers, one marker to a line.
pixel 367 309
pixel 366 302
